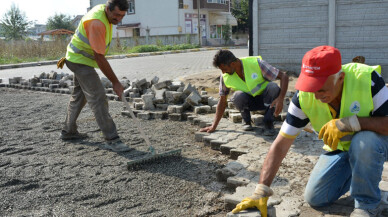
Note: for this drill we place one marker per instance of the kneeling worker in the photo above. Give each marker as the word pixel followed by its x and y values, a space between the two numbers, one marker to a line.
pixel 251 78
pixel 348 106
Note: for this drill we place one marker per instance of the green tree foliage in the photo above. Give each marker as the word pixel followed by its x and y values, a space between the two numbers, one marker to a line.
pixel 60 21
pixel 14 24
pixel 226 33
pixel 240 10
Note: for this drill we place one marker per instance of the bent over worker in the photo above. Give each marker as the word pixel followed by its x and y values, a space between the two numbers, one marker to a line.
pixel 86 51
pixel 251 78
pixel 348 106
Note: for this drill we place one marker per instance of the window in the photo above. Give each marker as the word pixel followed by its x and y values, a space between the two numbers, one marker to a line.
pixel 180 3
pixel 217 1
pixel 136 32
pixel 131 9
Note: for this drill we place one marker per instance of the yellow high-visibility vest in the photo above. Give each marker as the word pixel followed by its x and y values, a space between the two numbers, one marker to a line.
pixel 356 99
pixel 254 83
pixel 79 50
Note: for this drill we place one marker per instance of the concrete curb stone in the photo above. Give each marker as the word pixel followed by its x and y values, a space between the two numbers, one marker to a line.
pixel 122 56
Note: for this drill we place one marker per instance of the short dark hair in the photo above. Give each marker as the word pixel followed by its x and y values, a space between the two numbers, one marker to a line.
pixel 223 57
pixel 122 4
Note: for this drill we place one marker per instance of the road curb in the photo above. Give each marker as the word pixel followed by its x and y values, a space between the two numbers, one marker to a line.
pixel 122 56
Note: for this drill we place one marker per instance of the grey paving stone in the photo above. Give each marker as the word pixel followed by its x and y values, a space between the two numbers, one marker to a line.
pixel 199 136
pixel 216 144
pixel 175 117
pixel 144 116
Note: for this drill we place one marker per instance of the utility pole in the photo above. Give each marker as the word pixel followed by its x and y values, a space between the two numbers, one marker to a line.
pixel 199 24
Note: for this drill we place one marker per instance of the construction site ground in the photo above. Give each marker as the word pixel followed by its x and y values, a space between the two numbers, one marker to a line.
pixel 41 175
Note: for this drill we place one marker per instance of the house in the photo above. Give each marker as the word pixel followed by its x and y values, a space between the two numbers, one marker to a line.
pixel 35 30
pixel 283 31
pixel 150 19
pixel 76 20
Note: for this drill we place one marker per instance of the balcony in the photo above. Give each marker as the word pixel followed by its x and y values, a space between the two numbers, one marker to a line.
pixel 212 5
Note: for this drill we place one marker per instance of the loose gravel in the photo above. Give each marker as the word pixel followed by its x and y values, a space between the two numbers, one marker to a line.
pixel 41 175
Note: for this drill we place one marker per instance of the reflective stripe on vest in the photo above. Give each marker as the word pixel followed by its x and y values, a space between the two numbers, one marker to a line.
pixel 86 40
pixel 356 99
pixel 254 81
pixel 79 50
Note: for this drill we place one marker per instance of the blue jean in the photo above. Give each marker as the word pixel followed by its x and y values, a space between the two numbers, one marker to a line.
pixel 358 170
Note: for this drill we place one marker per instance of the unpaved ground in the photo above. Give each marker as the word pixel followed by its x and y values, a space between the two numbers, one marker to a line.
pixel 40 175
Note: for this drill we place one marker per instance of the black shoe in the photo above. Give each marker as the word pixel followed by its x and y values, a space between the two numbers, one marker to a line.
pixel 269 129
pixel 247 127
pixel 73 136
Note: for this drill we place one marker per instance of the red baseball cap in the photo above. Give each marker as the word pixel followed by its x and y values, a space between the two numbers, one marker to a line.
pixel 317 65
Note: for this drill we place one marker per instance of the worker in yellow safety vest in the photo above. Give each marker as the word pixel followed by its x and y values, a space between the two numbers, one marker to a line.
pixel 348 106
pixel 85 52
pixel 252 78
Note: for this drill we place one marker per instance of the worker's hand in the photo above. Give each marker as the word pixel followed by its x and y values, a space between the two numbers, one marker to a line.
pixel 61 62
pixel 278 103
pixel 118 88
pixel 258 199
pixel 335 129
pixel 209 129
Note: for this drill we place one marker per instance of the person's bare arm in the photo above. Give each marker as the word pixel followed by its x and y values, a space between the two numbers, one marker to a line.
pixel 278 102
pixel 274 158
pixel 219 113
pixel 375 124
pixel 105 67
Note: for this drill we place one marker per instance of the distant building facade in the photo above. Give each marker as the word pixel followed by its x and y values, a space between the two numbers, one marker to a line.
pixel 156 18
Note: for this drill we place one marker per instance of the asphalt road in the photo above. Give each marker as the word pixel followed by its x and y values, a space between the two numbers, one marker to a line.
pixel 169 66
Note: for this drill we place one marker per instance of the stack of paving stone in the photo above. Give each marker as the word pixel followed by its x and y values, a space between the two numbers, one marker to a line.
pixel 48 82
pixel 150 99
pixel 166 99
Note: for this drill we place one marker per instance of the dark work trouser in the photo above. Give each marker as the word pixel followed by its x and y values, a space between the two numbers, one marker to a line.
pixel 88 88
pixel 246 103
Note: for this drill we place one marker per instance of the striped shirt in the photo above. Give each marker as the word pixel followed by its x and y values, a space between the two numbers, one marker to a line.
pixel 269 73
pixel 296 119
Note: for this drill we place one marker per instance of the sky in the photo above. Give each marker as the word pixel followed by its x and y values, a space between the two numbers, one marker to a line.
pixel 40 10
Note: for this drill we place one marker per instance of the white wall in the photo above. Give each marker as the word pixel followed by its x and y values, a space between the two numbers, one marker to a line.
pixel 161 17
pixel 283 30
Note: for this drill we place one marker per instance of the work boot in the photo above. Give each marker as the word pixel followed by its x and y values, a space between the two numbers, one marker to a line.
pixel 72 136
pixel 269 129
pixel 116 145
pixel 366 213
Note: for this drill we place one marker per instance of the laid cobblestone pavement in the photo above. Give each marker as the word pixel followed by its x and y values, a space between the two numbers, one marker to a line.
pixel 250 148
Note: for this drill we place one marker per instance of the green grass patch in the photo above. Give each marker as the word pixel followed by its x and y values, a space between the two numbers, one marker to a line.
pixel 13 52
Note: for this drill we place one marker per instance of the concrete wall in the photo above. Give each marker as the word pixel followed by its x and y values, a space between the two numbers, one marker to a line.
pixel 284 30
pixel 165 40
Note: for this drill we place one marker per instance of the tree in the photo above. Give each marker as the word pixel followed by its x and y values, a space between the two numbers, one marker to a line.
pixel 226 32
pixel 240 10
pixel 60 21
pixel 14 24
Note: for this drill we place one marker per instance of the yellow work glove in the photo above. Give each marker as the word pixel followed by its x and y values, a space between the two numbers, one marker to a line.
pixel 334 130
pixel 258 199
pixel 60 63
